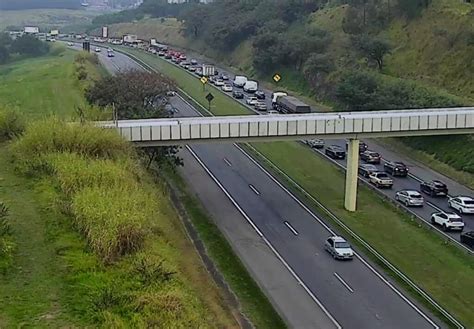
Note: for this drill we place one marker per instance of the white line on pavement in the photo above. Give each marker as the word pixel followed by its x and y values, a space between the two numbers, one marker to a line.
pixel 295 232
pixel 344 283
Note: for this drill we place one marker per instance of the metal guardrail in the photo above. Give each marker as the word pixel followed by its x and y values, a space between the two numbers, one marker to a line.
pixel 448 316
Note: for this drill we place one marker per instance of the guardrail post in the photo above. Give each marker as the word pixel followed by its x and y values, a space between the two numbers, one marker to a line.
pixel 350 197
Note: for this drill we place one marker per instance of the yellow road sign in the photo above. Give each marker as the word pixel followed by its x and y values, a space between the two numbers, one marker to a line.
pixel 276 77
pixel 204 80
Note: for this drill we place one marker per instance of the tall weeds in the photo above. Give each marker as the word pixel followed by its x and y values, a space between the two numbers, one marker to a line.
pixel 12 124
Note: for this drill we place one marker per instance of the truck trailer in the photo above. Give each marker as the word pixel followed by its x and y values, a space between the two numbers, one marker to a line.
pixel 290 105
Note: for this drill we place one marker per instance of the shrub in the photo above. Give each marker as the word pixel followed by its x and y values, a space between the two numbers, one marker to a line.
pixel 11 124
pixel 113 220
pixel 74 172
pixel 44 137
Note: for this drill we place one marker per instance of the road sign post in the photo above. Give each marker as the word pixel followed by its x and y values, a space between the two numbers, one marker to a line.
pixel 209 98
pixel 276 77
pixel 204 81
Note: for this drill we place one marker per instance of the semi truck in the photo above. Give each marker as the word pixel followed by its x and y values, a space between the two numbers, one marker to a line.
pixel 208 70
pixel 290 105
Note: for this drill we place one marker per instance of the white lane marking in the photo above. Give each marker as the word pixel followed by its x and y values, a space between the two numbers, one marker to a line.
pixel 432 205
pixel 228 162
pixel 254 189
pixel 344 283
pixel 370 267
pixel 249 220
pixel 295 232
pixel 342 224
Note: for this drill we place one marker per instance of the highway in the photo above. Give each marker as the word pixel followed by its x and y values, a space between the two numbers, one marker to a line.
pixel 418 172
pixel 271 223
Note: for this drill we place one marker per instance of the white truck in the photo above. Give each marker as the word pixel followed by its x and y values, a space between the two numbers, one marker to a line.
pixel 250 86
pixel 208 70
pixel 239 81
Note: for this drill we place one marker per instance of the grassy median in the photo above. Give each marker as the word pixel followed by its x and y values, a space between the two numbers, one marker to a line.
pixel 440 269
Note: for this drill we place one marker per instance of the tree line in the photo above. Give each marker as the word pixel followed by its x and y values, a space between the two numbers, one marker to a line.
pixel 25 45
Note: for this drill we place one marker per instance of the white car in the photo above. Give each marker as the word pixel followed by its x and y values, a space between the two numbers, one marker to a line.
pixel 272 112
pixel 338 248
pixel 449 221
pixel 462 204
pixel 227 88
pixel 70 44
pixel 97 50
pixel 219 83
pixel 315 143
pixel 252 100
pixel 410 198
pixel 381 179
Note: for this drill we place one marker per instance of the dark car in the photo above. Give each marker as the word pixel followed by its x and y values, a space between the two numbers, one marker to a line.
pixel 468 238
pixel 367 169
pixel 238 94
pixel 335 152
pixel 168 56
pixel 370 157
pixel 362 147
pixel 260 94
pixel 434 188
pixel 396 168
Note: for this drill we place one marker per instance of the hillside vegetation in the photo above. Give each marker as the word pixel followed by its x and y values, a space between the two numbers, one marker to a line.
pixel 88 238
pixel 381 55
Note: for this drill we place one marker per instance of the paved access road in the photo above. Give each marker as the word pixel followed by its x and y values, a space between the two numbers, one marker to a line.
pixel 349 294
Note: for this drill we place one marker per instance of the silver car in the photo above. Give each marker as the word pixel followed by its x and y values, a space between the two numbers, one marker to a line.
pixel 410 198
pixel 316 143
pixel 339 248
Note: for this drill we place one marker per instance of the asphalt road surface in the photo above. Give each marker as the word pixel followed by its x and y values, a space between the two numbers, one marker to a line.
pixel 418 172
pixel 352 294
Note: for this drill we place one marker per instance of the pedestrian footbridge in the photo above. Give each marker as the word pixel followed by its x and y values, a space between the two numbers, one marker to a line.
pixel 254 128
pixel 370 124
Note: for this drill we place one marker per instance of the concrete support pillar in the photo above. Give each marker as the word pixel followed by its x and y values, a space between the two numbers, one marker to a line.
pixel 350 198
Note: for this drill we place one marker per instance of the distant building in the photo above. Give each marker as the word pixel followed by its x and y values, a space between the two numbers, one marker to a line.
pixel 31 29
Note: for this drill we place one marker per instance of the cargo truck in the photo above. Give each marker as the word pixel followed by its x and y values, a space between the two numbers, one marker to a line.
pixel 290 105
pixel 208 70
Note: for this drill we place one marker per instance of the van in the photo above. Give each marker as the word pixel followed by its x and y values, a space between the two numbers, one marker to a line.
pixel 251 86
pixel 239 81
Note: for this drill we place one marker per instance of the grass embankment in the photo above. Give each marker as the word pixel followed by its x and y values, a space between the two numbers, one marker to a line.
pixel 134 269
pixel 46 19
pixel 43 86
pixel 97 242
pixel 442 270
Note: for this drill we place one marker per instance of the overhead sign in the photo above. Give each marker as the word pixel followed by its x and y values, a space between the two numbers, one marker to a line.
pixel 209 97
pixel 276 77
pixel 204 80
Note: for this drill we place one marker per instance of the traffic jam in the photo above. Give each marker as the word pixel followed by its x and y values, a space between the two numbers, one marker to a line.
pixel 429 198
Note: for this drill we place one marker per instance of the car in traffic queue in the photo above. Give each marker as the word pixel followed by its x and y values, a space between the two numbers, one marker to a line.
pixel 462 204
pixel 224 77
pixel 227 88
pixel 468 238
pixel 362 146
pixel 219 83
pixel 448 221
pixel 339 248
pixel 193 62
pixel 260 94
pixel 434 188
pixel 410 198
pixel 396 168
pixel 97 50
pixel 367 169
pixel 335 152
pixel 251 100
pixel 381 180
pixel 315 143
pixel 237 94
pixel 370 157
pixel 260 106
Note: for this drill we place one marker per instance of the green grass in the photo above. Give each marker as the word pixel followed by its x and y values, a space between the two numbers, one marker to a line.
pixel 42 86
pixel 46 19
pixel 56 280
pixel 254 303
pixel 442 270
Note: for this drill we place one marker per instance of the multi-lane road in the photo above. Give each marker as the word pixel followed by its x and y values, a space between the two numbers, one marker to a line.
pixel 418 172
pixel 281 242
